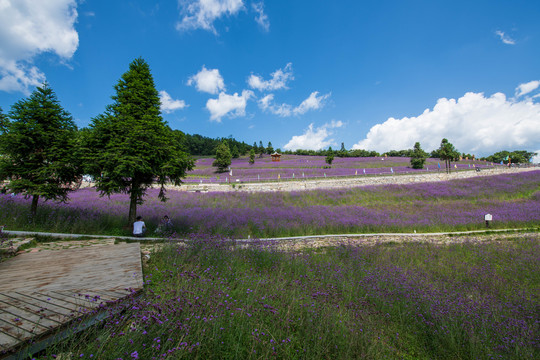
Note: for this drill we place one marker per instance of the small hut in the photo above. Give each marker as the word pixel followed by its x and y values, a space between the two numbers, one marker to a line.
pixel 276 157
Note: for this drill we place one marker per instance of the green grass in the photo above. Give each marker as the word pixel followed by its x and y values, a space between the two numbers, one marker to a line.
pixel 214 300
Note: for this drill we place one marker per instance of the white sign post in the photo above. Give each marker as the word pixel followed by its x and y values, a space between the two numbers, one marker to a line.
pixel 488 218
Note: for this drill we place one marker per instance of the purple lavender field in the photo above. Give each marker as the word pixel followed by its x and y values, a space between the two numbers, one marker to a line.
pixel 309 167
pixel 512 199
pixel 472 299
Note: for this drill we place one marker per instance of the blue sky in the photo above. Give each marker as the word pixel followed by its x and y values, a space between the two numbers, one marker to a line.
pixel 377 75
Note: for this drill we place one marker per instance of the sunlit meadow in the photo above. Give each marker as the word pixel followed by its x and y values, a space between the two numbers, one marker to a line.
pixel 513 200
pixel 309 167
pixel 214 300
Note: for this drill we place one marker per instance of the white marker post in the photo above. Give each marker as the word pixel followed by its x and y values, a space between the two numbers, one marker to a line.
pixel 488 218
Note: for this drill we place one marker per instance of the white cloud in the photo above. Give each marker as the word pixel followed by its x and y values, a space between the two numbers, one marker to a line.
pixel 262 18
pixel 29 28
pixel 474 124
pixel 526 88
pixel 201 14
pixel 209 81
pixel 279 79
pixel 505 38
pixel 313 102
pixel 314 139
pixel 267 104
pixel 234 105
pixel 536 159
pixel 168 105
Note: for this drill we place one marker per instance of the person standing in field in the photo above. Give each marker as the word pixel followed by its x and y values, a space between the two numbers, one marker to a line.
pixel 139 227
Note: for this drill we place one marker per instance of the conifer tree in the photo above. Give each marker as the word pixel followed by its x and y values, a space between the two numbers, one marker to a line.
pixel 418 157
pixel 269 148
pixel 252 157
pixel 223 156
pixel 447 152
pixel 329 156
pixel 130 146
pixel 38 146
pixel 3 122
pixel 262 149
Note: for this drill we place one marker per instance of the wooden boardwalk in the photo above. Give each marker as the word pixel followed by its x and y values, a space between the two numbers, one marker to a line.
pixel 42 291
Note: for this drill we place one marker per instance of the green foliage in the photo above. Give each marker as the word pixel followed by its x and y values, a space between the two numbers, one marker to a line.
pixel 322 152
pixel 400 153
pixel 418 157
pixel 234 152
pixel 223 157
pixel 252 157
pixel 205 146
pixel 447 152
pixel 269 148
pixel 515 157
pixel 38 148
pixel 130 147
pixel 210 299
pixel 3 122
pixel 329 156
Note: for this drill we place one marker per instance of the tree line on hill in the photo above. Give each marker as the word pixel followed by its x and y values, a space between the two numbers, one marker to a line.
pixel 129 147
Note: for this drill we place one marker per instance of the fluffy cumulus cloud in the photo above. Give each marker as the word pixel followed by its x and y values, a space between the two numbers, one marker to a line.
pixel 314 138
pixel 527 88
pixel 313 102
pixel 168 104
pixel 209 81
pixel 261 18
pixel 505 38
pixel 29 28
pixel 267 104
pixel 474 123
pixel 279 79
pixel 228 105
pixel 201 14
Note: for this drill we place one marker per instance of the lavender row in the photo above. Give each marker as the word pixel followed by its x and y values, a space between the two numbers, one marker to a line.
pixel 512 199
pixel 300 167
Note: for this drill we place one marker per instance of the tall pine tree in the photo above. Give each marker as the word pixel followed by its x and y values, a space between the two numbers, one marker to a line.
pixel 38 146
pixel 130 146
pixel 418 157
pixel 223 157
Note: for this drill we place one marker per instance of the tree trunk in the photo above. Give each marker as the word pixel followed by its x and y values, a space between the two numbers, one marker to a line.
pixel 132 208
pixel 33 207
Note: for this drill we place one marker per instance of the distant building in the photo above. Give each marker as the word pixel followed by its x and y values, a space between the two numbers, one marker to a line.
pixel 276 157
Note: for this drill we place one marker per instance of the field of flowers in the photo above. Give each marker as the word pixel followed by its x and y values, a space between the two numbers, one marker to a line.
pixel 309 167
pixel 213 300
pixel 513 200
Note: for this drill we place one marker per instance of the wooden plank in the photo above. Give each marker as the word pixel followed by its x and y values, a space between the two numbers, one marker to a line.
pixel 40 291
pixel 34 313
pixel 47 300
pixel 114 267
pixel 7 341
pixel 25 325
pixel 100 296
pixel 69 312
pixel 15 331
pixel 87 300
